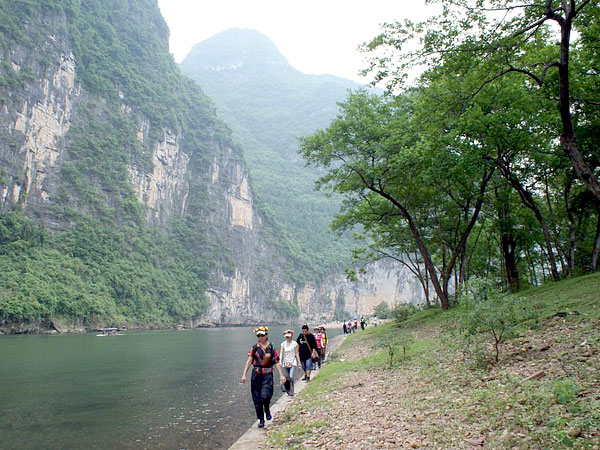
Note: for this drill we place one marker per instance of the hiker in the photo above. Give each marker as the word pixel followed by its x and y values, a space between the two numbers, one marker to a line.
pixel 345 328
pixel 362 323
pixel 323 343
pixel 263 357
pixel 375 321
pixel 318 337
pixel 290 358
pixel 307 348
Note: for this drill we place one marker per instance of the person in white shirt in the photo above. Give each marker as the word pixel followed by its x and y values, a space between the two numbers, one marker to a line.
pixel 289 361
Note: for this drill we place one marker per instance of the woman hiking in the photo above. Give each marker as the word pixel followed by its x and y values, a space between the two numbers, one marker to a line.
pixel 290 359
pixel 263 357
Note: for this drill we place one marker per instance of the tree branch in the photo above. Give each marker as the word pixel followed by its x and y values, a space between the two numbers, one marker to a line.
pixel 583 5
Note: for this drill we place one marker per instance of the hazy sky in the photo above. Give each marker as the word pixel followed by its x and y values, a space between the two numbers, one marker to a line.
pixel 315 36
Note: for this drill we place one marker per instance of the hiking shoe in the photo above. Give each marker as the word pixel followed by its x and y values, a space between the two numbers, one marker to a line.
pixel 261 423
pixel 268 415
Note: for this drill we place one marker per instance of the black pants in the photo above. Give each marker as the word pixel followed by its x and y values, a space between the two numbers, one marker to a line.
pixel 261 386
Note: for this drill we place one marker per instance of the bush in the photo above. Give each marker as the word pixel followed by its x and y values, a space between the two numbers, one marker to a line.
pixel 382 310
pixel 564 391
pixel 403 311
pixel 496 317
pixel 477 289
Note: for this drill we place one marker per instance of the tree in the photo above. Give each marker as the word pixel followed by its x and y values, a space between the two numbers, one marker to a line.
pixel 392 174
pixel 504 37
pixel 382 310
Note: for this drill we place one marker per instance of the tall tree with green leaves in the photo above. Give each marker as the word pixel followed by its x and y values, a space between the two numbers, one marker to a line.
pixel 507 37
pixel 393 173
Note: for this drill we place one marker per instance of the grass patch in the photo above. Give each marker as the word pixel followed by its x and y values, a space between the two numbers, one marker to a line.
pixel 292 437
pixel 445 398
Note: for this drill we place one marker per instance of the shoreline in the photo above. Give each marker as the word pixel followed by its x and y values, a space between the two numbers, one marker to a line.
pixel 58 328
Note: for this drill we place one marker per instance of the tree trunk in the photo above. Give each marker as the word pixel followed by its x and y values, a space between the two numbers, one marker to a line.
pixel 440 283
pixel 508 244
pixel 462 245
pixel 530 203
pixel 427 299
pixel 567 137
pixel 533 278
pixel 596 245
pixel 572 235
pixel 543 266
pixel 429 266
pixel 559 250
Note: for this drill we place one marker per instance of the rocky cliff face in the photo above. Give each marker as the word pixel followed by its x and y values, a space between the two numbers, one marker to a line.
pixel 79 144
pixel 389 282
pixel 34 123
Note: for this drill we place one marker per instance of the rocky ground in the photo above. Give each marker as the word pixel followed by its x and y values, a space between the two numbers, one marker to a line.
pixel 445 397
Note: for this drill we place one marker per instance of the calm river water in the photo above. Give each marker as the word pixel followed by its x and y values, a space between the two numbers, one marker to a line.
pixel 152 389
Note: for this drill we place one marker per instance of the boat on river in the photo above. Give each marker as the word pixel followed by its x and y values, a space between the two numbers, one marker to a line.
pixel 108 332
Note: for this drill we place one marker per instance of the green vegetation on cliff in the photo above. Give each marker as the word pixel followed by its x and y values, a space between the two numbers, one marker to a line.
pixel 269 105
pixel 106 264
pixel 95 274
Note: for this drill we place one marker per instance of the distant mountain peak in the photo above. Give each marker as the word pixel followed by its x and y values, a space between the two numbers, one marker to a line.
pixel 234 49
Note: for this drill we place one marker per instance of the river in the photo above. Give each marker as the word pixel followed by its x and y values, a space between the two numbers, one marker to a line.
pixel 142 389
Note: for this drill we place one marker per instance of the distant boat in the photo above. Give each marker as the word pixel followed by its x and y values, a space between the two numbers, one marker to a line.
pixel 108 332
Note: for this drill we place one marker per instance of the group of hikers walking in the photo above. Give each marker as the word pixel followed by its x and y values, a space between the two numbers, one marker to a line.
pixel 307 351
pixel 351 326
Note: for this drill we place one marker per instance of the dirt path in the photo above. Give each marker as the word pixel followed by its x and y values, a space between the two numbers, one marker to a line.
pixel 439 401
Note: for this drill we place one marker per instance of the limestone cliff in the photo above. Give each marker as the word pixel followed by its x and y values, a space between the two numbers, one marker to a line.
pixel 144 210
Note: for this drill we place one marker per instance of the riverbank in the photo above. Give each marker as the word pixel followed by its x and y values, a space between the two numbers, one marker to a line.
pixel 64 327
pixel 543 392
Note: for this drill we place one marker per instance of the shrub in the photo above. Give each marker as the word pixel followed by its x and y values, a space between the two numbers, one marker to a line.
pixel 382 310
pixel 477 289
pixel 564 391
pixel 395 341
pixel 495 316
pixel 403 311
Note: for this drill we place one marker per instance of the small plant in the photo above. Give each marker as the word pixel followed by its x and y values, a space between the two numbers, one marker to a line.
pixel 497 317
pixel 564 391
pixel 474 351
pixel 394 342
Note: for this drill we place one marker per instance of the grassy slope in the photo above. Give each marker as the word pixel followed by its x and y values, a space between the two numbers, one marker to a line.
pixel 447 396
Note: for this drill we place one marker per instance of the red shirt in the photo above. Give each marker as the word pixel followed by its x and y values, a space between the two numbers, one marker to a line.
pixel 263 357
